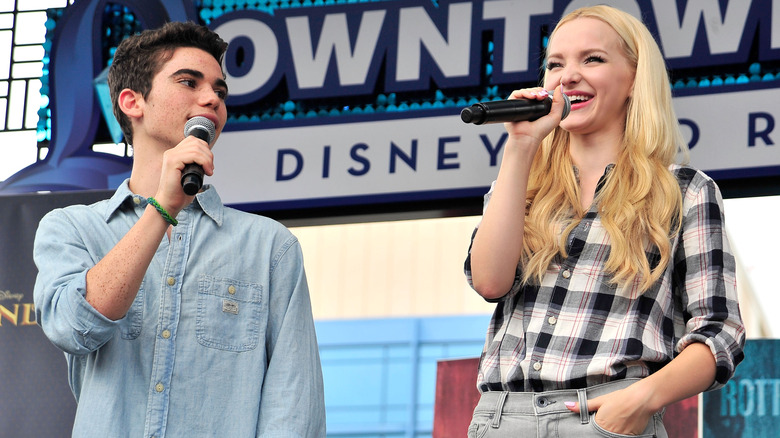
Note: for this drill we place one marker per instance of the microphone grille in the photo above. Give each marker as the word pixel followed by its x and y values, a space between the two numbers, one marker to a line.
pixel 200 123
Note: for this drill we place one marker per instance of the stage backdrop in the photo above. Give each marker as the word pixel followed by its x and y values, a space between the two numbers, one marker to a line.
pixel 345 102
pixel 35 400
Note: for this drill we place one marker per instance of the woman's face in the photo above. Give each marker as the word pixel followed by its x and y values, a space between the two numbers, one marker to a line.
pixel 585 57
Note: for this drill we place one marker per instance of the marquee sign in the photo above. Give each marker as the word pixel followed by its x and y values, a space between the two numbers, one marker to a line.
pixel 336 103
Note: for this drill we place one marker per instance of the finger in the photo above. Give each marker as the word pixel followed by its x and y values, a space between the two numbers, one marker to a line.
pixel 529 93
pixel 595 404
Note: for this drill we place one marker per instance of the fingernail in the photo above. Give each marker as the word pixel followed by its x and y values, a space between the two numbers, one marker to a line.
pixel 569 404
pixel 544 93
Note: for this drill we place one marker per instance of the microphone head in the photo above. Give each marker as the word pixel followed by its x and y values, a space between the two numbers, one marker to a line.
pixel 473 114
pixel 200 127
pixel 566 106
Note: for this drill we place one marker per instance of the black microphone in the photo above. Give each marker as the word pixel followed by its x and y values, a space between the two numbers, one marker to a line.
pixel 512 110
pixel 192 175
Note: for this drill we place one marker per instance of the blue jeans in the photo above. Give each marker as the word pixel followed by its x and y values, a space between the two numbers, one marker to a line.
pixel 544 415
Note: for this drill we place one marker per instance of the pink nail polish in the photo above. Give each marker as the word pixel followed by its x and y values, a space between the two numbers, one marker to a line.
pixel 569 404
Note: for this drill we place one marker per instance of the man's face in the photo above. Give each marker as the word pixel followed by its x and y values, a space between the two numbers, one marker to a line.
pixel 190 84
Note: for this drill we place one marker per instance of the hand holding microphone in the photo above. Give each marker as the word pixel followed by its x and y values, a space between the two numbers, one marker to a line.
pixel 512 110
pixel 192 174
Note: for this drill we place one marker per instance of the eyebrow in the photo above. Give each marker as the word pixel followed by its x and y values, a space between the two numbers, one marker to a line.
pixel 581 53
pixel 198 74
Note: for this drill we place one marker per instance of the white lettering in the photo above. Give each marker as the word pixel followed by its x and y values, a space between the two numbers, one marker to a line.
pixel 775 34
pixel 629 6
pixel 266 49
pixel 415 29
pixel 723 32
pixel 311 68
pixel 517 27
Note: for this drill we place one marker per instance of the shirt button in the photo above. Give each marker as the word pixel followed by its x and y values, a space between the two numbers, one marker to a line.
pixel 137 200
pixel 231 290
pixel 538 366
pixel 159 387
pixel 166 334
pixel 171 281
pixel 566 274
pixel 552 320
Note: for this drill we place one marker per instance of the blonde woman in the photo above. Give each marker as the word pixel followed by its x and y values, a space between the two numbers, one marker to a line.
pixel 613 277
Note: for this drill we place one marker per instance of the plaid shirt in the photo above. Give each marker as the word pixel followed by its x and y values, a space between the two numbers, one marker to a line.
pixel 577 330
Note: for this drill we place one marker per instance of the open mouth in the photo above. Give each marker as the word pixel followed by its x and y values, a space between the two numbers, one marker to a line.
pixel 578 98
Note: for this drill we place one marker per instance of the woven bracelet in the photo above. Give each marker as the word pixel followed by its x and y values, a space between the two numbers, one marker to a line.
pixel 162 211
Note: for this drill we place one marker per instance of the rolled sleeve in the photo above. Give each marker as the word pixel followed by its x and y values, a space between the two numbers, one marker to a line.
pixel 709 284
pixel 62 311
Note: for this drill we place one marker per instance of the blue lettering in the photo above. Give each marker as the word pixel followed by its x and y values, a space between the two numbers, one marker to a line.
pixel 728 399
pixel 695 132
pixel 493 151
pixel 746 397
pixel 280 154
pixel 353 153
pixel 750 397
pixel 443 155
pixel 325 162
pixel 410 160
pixel 754 133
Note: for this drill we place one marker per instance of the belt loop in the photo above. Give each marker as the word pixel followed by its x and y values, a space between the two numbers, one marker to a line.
pixel 499 408
pixel 583 399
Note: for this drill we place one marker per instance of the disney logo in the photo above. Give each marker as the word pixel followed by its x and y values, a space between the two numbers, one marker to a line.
pixel 7 295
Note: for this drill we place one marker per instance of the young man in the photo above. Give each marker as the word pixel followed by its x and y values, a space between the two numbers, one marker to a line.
pixel 178 316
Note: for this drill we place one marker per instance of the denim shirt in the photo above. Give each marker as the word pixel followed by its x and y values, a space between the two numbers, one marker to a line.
pixel 219 341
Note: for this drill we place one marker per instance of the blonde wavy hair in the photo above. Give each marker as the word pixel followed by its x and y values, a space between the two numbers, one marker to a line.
pixel 640 204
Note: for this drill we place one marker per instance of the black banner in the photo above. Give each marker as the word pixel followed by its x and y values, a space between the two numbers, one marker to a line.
pixel 35 400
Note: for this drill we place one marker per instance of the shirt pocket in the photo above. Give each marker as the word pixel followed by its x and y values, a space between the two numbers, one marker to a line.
pixel 231 314
pixel 130 325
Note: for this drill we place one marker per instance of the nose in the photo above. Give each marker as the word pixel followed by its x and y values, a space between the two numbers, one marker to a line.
pixel 570 74
pixel 210 98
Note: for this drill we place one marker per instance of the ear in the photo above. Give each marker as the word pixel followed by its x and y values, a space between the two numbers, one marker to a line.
pixel 131 103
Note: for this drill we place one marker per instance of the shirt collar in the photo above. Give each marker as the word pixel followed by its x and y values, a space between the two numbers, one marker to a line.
pixel 207 200
pixel 602 180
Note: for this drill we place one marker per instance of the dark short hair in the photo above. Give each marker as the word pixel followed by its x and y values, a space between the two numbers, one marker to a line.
pixel 139 57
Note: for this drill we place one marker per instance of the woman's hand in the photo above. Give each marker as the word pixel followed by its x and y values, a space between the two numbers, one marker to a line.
pixel 537 130
pixel 625 411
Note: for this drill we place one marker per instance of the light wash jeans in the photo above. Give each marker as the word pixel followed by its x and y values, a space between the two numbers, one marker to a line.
pixel 544 415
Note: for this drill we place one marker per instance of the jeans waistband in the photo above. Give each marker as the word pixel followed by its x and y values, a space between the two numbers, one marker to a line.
pixel 547 402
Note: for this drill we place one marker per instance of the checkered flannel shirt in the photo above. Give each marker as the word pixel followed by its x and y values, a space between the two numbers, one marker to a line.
pixel 577 330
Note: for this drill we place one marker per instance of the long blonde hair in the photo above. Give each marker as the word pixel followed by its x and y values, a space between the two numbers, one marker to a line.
pixel 640 203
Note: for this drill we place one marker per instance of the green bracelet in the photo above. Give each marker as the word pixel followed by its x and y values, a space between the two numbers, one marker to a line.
pixel 162 211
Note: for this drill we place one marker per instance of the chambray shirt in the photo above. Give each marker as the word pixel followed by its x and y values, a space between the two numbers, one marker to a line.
pixel 576 329
pixel 219 341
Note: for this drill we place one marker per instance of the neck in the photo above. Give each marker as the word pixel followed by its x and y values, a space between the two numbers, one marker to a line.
pixel 146 171
pixel 593 152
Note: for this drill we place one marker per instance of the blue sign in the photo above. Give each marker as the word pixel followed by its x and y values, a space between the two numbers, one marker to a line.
pixel 337 102
pixel 749 405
